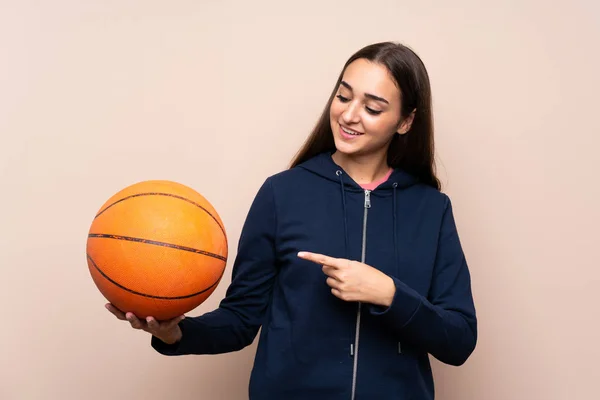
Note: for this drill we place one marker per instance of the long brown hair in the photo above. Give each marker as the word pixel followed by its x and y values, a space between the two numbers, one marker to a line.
pixel 414 151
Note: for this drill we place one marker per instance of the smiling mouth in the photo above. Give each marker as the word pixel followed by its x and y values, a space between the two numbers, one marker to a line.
pixel 350 131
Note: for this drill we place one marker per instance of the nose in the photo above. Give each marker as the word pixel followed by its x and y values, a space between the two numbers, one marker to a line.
pixel 351 115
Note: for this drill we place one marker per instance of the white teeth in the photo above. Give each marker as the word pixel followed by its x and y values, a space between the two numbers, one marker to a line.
pixel 349 132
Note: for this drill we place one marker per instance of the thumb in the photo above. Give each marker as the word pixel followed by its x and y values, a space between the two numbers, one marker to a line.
pixel 175 321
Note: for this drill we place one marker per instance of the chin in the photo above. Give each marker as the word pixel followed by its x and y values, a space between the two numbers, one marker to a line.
pixel 346 148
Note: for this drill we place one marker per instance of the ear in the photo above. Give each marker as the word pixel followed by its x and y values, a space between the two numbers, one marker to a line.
pixel 406 123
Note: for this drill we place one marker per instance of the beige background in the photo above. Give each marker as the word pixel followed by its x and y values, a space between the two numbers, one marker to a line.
pixel 96 95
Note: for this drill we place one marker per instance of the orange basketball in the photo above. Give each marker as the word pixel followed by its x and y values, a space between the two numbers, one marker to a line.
pixel 157 248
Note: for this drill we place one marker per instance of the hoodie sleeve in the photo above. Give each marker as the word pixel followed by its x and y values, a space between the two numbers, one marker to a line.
pixel 444 324
pixel 235 323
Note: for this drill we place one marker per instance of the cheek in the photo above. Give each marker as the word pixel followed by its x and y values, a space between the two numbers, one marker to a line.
pixel 335 111
pixel 379 126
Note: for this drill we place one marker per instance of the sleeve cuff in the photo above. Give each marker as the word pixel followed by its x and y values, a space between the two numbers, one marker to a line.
pixel 171 349
pixel 405 304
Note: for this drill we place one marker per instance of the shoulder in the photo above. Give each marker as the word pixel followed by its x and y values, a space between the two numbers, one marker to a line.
pixel 428 192
pixel 432 201
pixel 283 184
pixel 289 179
pixel 438 196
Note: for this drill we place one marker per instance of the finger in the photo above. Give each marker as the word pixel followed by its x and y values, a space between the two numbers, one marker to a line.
pixel 343 295
pixel 175 321
pixel 332 273
pixel 115 311
pixel 153 324
pixel 337 293
pixel 134 321
pixel 322 259
pixel 333 283
pixel 328 270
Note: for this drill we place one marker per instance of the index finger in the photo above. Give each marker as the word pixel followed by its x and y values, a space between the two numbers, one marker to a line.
pixel 114 310
pixel 321 259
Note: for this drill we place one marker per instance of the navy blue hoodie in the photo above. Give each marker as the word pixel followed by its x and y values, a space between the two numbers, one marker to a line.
pixel 314 345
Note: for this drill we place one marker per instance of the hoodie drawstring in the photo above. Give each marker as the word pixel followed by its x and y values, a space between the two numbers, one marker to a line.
pixel 339 174
pixel 395 228
pixel 396 261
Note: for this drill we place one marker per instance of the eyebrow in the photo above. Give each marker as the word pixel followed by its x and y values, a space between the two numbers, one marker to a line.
pixel 369 95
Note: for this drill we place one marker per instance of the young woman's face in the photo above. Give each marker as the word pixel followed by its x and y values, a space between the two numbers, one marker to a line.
pixel 365 113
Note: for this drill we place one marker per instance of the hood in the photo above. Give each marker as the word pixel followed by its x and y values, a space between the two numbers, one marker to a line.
pixel 324 166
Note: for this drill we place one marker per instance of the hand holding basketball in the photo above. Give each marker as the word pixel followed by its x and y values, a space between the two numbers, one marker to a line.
pixel 168 331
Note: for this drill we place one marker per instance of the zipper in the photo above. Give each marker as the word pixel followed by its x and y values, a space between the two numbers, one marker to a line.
pixel 354 348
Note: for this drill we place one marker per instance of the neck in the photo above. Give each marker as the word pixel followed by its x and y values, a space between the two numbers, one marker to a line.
pixel 363 169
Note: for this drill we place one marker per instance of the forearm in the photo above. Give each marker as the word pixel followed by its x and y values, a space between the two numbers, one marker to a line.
pixel 219 331
pixel 449 334
pixel 444 323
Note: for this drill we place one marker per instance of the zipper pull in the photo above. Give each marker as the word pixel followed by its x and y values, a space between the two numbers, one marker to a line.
pixel 367 199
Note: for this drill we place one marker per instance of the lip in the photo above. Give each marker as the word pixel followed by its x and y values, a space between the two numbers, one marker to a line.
pixel 347 136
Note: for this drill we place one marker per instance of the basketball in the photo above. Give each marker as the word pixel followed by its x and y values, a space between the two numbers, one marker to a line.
pixel 156 248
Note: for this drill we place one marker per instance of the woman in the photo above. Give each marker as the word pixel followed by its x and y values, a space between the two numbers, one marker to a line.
pixel 350 260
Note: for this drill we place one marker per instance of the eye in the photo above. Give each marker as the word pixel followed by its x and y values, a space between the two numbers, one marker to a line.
pixel 342 98
pixel 373 112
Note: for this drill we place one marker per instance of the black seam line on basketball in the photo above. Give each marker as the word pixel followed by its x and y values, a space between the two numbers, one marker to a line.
pixel 162 194
pixel 146 294
pixel 157 243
